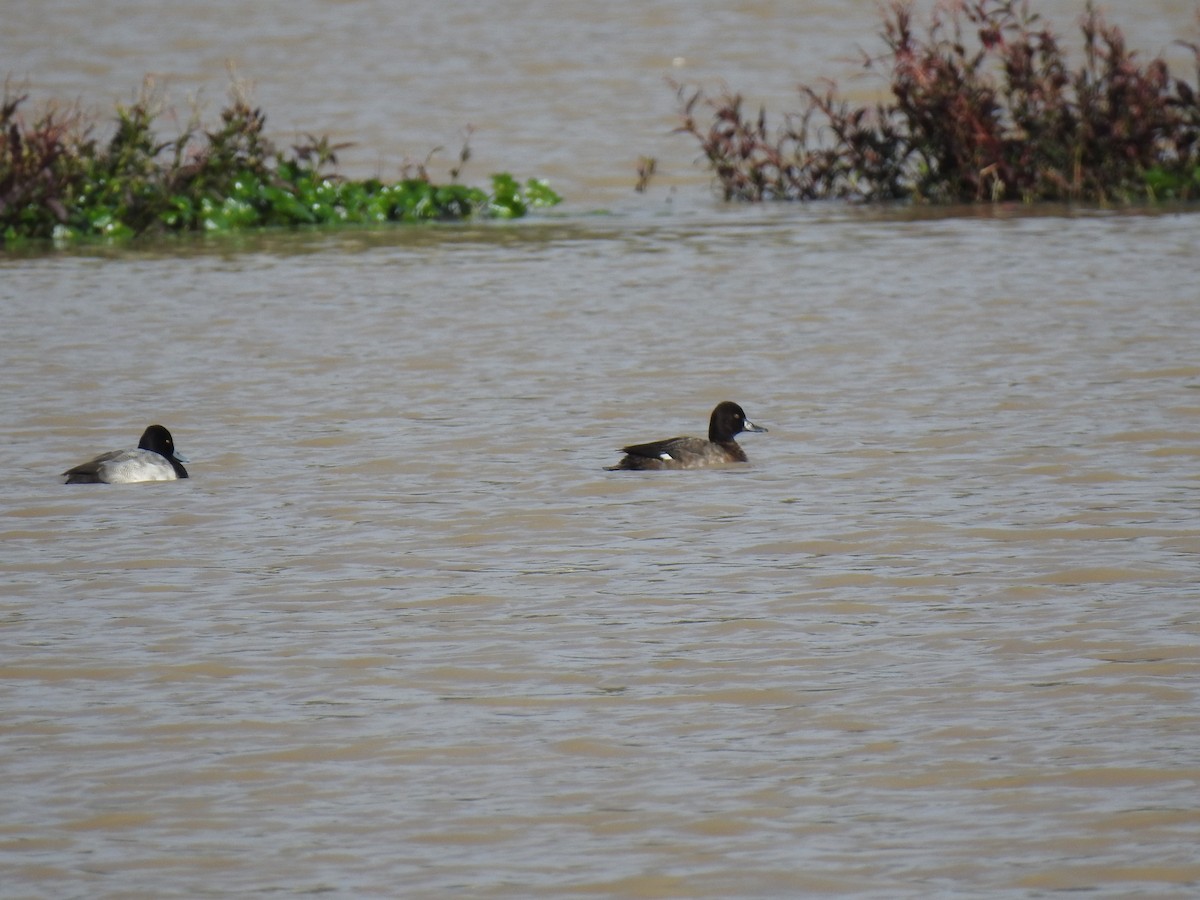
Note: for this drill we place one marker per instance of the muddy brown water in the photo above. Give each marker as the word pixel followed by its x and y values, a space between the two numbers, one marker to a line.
pixel 401 635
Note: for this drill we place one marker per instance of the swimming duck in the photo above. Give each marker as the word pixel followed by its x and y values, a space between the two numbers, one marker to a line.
pixel 728 420
pixel 155 459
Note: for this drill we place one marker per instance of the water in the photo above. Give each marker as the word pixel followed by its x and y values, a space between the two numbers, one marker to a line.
pixel 401 635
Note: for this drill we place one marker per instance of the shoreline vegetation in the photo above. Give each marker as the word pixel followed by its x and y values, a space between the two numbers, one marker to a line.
pixel 983 106
pixel 59 182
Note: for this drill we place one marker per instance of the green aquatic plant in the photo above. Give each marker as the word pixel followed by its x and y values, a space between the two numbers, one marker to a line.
pixel 58 181
pixel 983 106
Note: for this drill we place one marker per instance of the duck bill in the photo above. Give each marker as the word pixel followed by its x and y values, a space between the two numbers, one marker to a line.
pixel 750 426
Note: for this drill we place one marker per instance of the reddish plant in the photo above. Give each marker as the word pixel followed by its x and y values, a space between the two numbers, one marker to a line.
pixel 983 106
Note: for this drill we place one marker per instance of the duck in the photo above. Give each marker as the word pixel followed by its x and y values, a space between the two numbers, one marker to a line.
pixel 154 459
pixel 727 421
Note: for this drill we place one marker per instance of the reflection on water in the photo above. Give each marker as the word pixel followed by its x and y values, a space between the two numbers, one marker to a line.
pixel 400 634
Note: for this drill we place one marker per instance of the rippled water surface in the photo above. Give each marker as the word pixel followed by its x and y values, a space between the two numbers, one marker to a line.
pixel 401 634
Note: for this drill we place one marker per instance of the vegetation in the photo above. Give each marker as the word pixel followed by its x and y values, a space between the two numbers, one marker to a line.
pixel 58 181
pixel 983 106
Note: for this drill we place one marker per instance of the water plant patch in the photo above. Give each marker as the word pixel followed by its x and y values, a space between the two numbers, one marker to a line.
pixel 57 180
pixel 983 104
